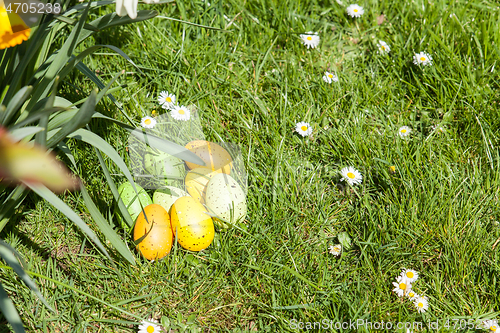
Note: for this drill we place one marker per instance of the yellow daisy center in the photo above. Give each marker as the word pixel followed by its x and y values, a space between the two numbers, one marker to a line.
pixel 383 47
pixel 168 99
pixel 309 38
pixel 147 121
pixel 150 329
pixel 411 294
pixel 351 175
pixel 420 304
pixel 422 58
pixel 409 275
pixel 355 10
pixel 330 76
pixel 393 168
pixel 181 111
pixel 493 328
pixel 403 131
pixel 304 128
pixel 402 286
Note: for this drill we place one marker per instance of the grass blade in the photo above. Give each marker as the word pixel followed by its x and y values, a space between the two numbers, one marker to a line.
pixel 50 197
pixel 7 253
pixel 105 228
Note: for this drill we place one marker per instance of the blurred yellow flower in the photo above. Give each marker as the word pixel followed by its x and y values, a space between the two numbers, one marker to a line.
pixel 24 163
pixel 13 30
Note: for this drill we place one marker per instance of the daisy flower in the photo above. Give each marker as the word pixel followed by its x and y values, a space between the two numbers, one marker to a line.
pixel 166 100
pixel 310 39
pixel 402 286
pixel 148 122
pixel 410 275
pixel 146 327
pixel 421 304
pixel 422 58
pixel 303 128
pixel 491 325
pixel 351 175
pixel 412 295
pixel 355 10
pixel 180 113
pixel 383 48
pixel 330 77
pixel 335 250
pixel 404 131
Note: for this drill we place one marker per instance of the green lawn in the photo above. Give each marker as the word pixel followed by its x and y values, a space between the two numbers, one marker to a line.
pixel 438 213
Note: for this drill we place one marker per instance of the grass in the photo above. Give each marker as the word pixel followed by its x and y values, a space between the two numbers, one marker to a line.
pixel 438 213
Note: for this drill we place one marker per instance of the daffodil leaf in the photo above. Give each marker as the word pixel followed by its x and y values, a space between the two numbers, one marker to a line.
pixel 9 311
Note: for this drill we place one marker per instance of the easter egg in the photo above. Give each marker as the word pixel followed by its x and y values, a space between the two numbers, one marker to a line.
pixel 191 224
pixel 154 234
pixel 214 156
pixel 165 165
pixel 225 198
pixel 133 200
pixel 196 182
pixel 166 197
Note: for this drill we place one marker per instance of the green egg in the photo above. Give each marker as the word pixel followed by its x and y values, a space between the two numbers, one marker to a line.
pixel 166 197
pixel 165 165
pixel 134 200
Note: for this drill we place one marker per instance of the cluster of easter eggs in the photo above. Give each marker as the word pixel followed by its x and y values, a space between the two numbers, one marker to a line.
pixel 210 195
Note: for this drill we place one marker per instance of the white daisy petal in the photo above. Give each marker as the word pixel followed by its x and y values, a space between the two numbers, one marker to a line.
pixel 303 128
pixel 422 58
pixel 410 274
pixel 180 113
pixel 351 175
pixel 146 327
pixel 382 47
pixel 148 122
pixel 404 131
pixel 421 303
pixel 412 295
pixel 491 325
pixel 355 10
pixel 310 39
pixel 335 250
pixel 330 77
pixel 166 100
pixel 402 286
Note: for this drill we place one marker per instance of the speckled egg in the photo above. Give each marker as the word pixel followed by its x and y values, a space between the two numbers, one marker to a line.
pixel 166 197
pixel 225 198
pixel 134 200
pixel 165 165
pixel 214 156
pixel 196 182
pixel 154 235
pixel 193 226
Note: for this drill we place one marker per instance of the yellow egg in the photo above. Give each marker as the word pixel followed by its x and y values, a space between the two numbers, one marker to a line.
pixel 193 226
pixel 154 235
pixel 196 182
pixel 214 156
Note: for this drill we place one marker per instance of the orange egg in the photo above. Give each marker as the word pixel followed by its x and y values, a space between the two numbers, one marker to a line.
pixel 154 235
pixel 214 156
pixel 194 227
